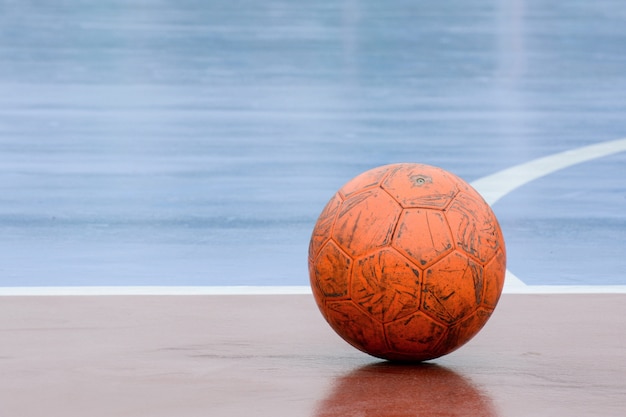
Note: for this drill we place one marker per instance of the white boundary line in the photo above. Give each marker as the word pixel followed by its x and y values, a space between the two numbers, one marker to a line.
pixel 492 188
pixel 266 290
pixel 154 290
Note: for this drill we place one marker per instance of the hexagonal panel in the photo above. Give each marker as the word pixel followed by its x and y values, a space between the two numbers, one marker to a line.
pixel 494 273
pixel 386 285
pixel 364 181
pixel 323 226
pixel 417 185
pixel 452 288
pixel 356 327
pixel 366 222
pixel 423 235
pixel 474 226
pixel 330 272
pixel 415 336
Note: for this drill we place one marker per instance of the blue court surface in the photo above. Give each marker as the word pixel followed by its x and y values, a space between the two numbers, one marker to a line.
pixel 192 144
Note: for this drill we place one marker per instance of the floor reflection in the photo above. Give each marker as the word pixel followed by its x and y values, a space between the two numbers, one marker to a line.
pixel 385 390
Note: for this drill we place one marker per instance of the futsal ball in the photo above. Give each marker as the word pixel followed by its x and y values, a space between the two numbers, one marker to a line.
pixel 407 262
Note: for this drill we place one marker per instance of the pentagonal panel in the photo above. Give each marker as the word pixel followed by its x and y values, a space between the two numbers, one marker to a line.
pixel 414 337
pixel 364 181
pixel 366 221
pixel 452 288
pixel 323 226
pixel 423 235
pixel 356 327
pixel 463 331
pixel 330 272
pixel 417 185
pixel 386 285
pixel 474 226
pixel 494 273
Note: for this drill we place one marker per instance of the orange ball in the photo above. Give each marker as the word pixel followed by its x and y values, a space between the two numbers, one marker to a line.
pixel 407 262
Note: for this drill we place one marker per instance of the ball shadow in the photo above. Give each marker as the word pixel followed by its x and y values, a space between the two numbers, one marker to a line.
pixel 387 389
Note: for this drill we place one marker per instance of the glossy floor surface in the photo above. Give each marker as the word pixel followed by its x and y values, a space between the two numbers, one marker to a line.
pixel 238 356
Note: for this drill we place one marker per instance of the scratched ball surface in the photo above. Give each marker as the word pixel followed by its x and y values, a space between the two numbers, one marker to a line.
pixel 407 262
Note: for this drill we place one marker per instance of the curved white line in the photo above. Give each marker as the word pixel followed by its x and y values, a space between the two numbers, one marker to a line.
pixel 495 186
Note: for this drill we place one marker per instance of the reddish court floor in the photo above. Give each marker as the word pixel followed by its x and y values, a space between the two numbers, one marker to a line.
pixel 230 356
